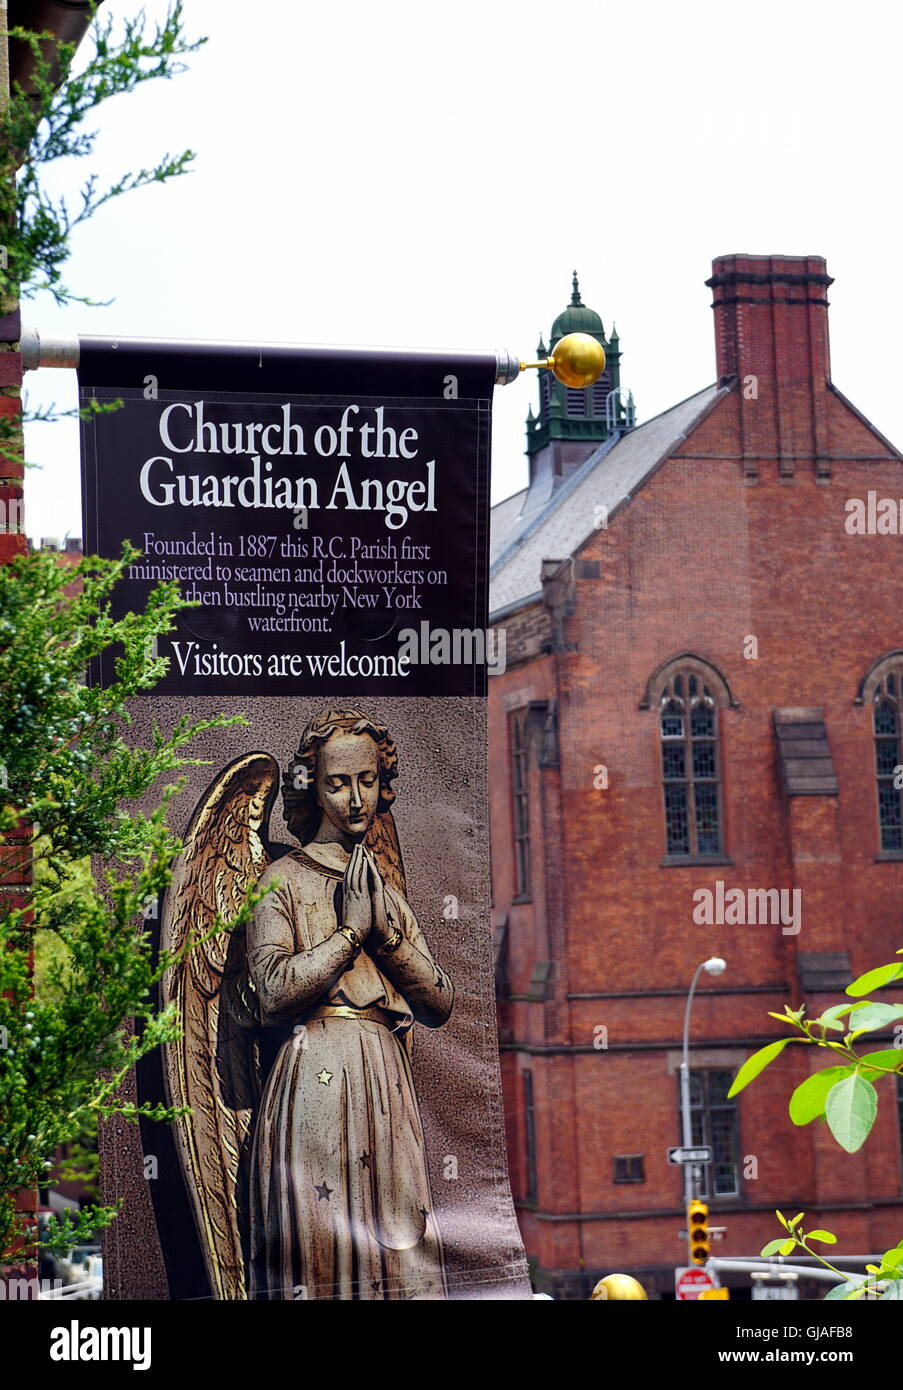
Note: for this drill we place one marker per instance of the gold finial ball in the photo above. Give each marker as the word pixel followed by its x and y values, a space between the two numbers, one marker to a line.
pixel 579 360
pixel 618 1287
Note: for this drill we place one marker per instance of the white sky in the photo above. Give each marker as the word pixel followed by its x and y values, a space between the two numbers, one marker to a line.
pixel 416 174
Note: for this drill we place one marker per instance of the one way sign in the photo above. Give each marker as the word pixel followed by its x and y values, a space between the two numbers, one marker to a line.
pixel 701 1154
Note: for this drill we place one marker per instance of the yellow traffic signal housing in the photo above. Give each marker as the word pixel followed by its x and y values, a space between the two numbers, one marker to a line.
pixel 700 1238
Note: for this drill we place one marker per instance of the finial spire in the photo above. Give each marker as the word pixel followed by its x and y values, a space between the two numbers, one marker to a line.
pixel 575 295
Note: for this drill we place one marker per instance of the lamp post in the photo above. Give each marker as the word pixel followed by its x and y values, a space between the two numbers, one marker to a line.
pixel 713 966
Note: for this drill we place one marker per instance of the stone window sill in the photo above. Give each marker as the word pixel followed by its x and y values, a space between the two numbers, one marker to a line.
pixel 691 861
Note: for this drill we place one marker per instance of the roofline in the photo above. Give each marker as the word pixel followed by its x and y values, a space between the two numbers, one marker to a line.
pixel 509 608
pixel 635 430
pixel 865 421
pixel 592 460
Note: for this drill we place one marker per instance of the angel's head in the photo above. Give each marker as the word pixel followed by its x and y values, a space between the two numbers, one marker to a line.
pixel 343 770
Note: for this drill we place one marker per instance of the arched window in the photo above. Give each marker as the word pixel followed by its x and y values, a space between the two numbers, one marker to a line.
pixel 687 692
pixel 882 688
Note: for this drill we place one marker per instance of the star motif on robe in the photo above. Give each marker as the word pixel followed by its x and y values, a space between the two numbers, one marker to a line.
pixel 440 982
pixel 324 1077
pixel 424 1213
pixel 398 1087
pixel 374 1284
pixel 365 1160
pixel 323 1192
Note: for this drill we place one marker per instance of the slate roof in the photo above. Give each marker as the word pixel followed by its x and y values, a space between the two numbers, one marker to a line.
pixel 526 530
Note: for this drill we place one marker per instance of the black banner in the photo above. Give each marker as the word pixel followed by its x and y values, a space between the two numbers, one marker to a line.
pixel 327 512
pixel 326 509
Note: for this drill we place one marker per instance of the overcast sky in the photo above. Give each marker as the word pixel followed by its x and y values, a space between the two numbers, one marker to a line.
pixel 416 174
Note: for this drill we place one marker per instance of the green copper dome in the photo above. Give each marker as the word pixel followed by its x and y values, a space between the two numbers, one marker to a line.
pixel 577 318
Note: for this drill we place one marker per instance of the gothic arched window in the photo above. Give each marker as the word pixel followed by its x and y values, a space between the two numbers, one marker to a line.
pixel 687 693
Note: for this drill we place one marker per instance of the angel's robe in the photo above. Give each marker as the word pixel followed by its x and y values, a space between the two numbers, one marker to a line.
pixel 340 1195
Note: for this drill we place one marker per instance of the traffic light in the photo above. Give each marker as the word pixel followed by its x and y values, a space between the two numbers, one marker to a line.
pixel 698 1228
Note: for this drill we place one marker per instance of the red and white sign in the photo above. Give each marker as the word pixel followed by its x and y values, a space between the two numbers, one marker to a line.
pixel 691 1281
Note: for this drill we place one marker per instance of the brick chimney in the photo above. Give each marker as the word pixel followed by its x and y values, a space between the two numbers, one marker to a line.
pixel 771 333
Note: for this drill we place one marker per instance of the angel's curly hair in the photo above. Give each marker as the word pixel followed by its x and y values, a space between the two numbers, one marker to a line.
pixel 299 796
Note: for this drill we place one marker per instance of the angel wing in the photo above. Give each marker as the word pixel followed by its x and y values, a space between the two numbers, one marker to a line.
pixel 382 841
pixel 214 1066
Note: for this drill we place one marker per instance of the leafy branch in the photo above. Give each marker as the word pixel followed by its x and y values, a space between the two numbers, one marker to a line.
pixel 69 781
pixel 843 1095
pixel 884 1281
pixel 46 123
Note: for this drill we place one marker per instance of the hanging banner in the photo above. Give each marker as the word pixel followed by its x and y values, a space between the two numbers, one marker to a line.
pixel 327 512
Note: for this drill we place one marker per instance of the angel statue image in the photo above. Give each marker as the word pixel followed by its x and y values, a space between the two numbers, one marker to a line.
pixel 303 1154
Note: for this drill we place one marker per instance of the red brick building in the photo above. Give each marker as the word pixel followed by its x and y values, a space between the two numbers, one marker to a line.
pixel 704 685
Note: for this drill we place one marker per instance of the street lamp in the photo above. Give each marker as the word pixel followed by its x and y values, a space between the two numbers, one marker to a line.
pixel 713 966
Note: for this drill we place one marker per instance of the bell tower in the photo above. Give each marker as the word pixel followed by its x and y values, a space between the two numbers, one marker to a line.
pixel 570 423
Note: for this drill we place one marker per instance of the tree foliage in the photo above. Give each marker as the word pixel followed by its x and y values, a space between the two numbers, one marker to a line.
pixel 845 1097
pixel 69 781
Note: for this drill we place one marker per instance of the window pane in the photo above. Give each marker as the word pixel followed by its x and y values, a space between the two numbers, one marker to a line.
pixel 703 760
pixel 885 756
pixel 672 720
pixel 885 719
pixel 677 824
pixel 674 762
pixel 707 835
pixel 726 1183
pixel 720 1083
pixel 702 722
pixel 889 816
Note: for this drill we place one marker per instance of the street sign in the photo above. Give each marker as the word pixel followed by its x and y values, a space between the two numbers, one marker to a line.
pixel 702 1153
pixel 782 1286
pixel 690 1282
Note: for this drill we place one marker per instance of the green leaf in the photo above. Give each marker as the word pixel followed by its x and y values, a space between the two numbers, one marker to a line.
pixel 783 1220
pixel 892 1259
pixel 808 1100
pixel 788 1247
pixel 843 1290
pixel 830 1018
pixel 850 1109
pixel 894 1290
pixel 890 1057
pixel 825 1237
pixel 873 1016
pixel 795 1221
pixel 773 1247
pixel 757 1063
pixel 874 979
